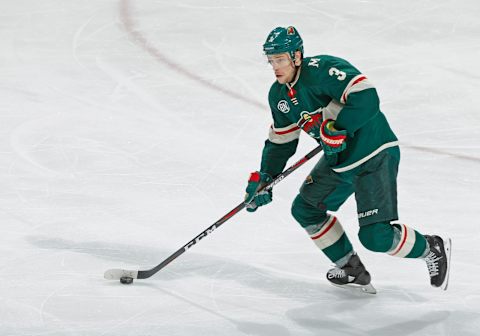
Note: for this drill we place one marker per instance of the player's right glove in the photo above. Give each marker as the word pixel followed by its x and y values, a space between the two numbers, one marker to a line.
pixel 333 140
pixel 253 198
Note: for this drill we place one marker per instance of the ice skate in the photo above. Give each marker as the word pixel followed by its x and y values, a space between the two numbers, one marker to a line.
pixel 352 276
pixel 438 261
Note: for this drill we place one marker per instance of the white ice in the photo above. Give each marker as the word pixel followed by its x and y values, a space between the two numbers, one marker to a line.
pixel 128 127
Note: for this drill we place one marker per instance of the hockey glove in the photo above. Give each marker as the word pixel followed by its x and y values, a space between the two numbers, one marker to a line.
pixel 253 198
pixel 333 141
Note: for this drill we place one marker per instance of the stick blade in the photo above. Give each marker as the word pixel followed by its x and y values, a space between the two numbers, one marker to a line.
pixel 116 274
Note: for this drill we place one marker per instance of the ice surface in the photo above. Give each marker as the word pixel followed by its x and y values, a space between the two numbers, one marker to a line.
pixel 128 127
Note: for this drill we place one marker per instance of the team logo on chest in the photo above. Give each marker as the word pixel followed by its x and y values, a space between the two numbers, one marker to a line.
pixel 309 120
pixel 282 106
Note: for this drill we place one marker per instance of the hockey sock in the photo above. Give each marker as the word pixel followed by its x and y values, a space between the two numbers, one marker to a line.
pixel 407 242
pixel 330 237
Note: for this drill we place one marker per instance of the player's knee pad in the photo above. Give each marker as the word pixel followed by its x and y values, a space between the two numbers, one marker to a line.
pixel 377 237
pixel 306 214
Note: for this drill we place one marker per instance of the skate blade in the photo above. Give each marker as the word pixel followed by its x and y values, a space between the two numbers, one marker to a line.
pixel 368 289
pixel 448 251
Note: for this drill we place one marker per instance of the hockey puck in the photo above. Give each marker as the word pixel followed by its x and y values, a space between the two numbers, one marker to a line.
pixel 126 280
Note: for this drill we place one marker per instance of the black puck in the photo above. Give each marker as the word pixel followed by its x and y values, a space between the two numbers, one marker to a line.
pixel 126 280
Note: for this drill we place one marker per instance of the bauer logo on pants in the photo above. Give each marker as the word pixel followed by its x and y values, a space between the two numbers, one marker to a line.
pixel 368 213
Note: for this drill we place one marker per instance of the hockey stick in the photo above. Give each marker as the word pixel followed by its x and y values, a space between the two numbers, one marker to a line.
pixel 127 276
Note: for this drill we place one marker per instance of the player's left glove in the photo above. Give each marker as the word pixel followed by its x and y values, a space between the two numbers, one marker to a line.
pixel 253 198
pixel 333 140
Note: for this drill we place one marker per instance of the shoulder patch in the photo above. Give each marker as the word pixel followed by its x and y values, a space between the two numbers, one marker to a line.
pixel 283 106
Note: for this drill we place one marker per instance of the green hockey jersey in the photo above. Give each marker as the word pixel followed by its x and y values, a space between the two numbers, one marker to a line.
pixel 326 87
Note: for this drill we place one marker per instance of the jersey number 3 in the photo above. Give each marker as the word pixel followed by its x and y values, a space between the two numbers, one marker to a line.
pixel 335 72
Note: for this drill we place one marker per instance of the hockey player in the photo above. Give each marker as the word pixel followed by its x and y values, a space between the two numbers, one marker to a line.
pixel 336 104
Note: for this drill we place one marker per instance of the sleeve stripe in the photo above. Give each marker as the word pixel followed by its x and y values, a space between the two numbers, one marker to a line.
pixel 285 130
pixel 284 134
pixel 358 83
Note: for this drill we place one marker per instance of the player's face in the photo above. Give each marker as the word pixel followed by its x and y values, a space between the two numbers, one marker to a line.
pixel 283 67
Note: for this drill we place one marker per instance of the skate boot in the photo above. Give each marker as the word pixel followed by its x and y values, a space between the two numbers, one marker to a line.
pixel 438 261
pixel 353 275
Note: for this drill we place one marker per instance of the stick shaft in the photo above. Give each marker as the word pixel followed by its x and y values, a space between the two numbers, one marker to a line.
pixel 148 273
